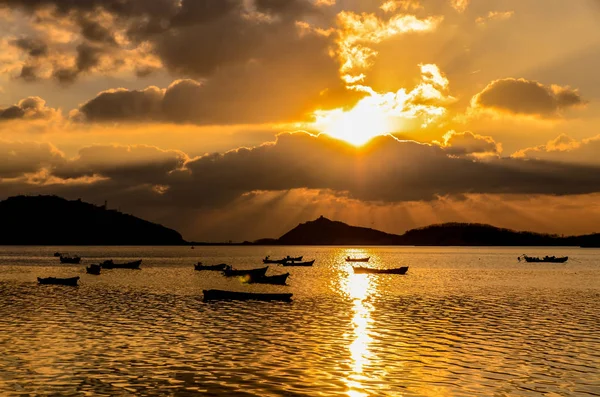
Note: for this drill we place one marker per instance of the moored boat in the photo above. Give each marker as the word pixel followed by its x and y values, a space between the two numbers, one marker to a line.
pixel 367 270
pixel 93 269
pixel 200 266
pixel 547 259
pixel 282 260
pixel 279 279
pixel 260 272
pixel 57 254
pixel 309 263
pixel 215 294
pixel 348 259
pixel 109 264
pixel 70 259
pixel 71 281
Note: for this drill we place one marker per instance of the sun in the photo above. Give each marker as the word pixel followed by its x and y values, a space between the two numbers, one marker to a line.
pixel 358 125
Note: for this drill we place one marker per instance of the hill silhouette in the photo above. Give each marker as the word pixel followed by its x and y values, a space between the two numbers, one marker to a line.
pixel 51 220
pixel 323 231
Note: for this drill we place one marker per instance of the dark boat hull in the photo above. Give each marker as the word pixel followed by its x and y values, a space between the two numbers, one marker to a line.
pixel 93 269
pixel 282 261
pixel 128 265
pixel 68 260
pixel 279 279
pixel 366 270
pixel 310 263
pixel 358 259
pixel 215 294
pixel 72 281
pixel 546 260
pixel 254 273
pixel 219 267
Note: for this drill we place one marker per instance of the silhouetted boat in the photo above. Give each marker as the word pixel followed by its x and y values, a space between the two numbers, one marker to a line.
pixel 72 281
pixel 367 270
pixel 549 259
pixel 57 254
pixel 70 259
pixel 93 269
pixel 215 294
pixel 256 273
pixel 309 263
pixel 109 264
pixel 283 260
pixel 348 259
pixel 279 279
pixel 219 267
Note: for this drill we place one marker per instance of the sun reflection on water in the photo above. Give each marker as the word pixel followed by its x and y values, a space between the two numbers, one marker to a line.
pixel 358 287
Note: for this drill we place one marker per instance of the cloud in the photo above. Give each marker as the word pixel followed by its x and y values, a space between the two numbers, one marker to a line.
pixel 356 33
pixel 524 97
pixel 460 5
pixel 21 158
pixel 31 108
pixel 383 172
pixel 135 164
pixel 565 149
pixel 123 105
pixel 494 16
pixel 468 143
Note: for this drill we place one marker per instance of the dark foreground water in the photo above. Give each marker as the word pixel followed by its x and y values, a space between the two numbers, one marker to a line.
pixel 463 322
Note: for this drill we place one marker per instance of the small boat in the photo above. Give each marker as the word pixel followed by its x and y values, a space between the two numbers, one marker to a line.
pixel 109 264
pixel 367 270
pixel 93 269
pixel 549 259
pixel 348 259
pixel 279 279
pixel 70 259
pixel 215 294
pixel 255 273
pixel 283 260
pixel 72 281
pixel 57 254
pixel 309 263
pixel 200 266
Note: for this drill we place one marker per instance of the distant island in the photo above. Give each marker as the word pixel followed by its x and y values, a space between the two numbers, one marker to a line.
pixel 323 231
pixel 51 220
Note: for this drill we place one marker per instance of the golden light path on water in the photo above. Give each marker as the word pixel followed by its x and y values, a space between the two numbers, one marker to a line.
pixel 358 287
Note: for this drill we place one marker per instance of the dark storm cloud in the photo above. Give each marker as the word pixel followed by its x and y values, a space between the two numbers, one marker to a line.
pixel 520 96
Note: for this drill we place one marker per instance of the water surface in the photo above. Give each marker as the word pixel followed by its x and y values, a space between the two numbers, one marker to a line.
pixel 463 322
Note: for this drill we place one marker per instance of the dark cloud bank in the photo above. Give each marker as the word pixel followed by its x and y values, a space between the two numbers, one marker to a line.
pixel 385 170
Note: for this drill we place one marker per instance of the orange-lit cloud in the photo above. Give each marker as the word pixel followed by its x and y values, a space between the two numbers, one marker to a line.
pixel 494 16
pixel 460 5
pixel 383 113
pixel 524 97
pixel 565 149
pixel 358 32
pixel 468 143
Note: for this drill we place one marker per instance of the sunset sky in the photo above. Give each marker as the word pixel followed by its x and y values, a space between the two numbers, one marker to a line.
pixel 238 119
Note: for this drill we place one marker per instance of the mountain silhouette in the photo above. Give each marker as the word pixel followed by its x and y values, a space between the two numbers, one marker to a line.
pixel 51 220
pixel 323 231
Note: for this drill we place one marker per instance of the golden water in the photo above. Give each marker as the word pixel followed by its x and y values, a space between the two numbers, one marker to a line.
pixel 463 322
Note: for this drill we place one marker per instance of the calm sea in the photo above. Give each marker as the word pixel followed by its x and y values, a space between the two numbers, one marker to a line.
pixel 462 322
